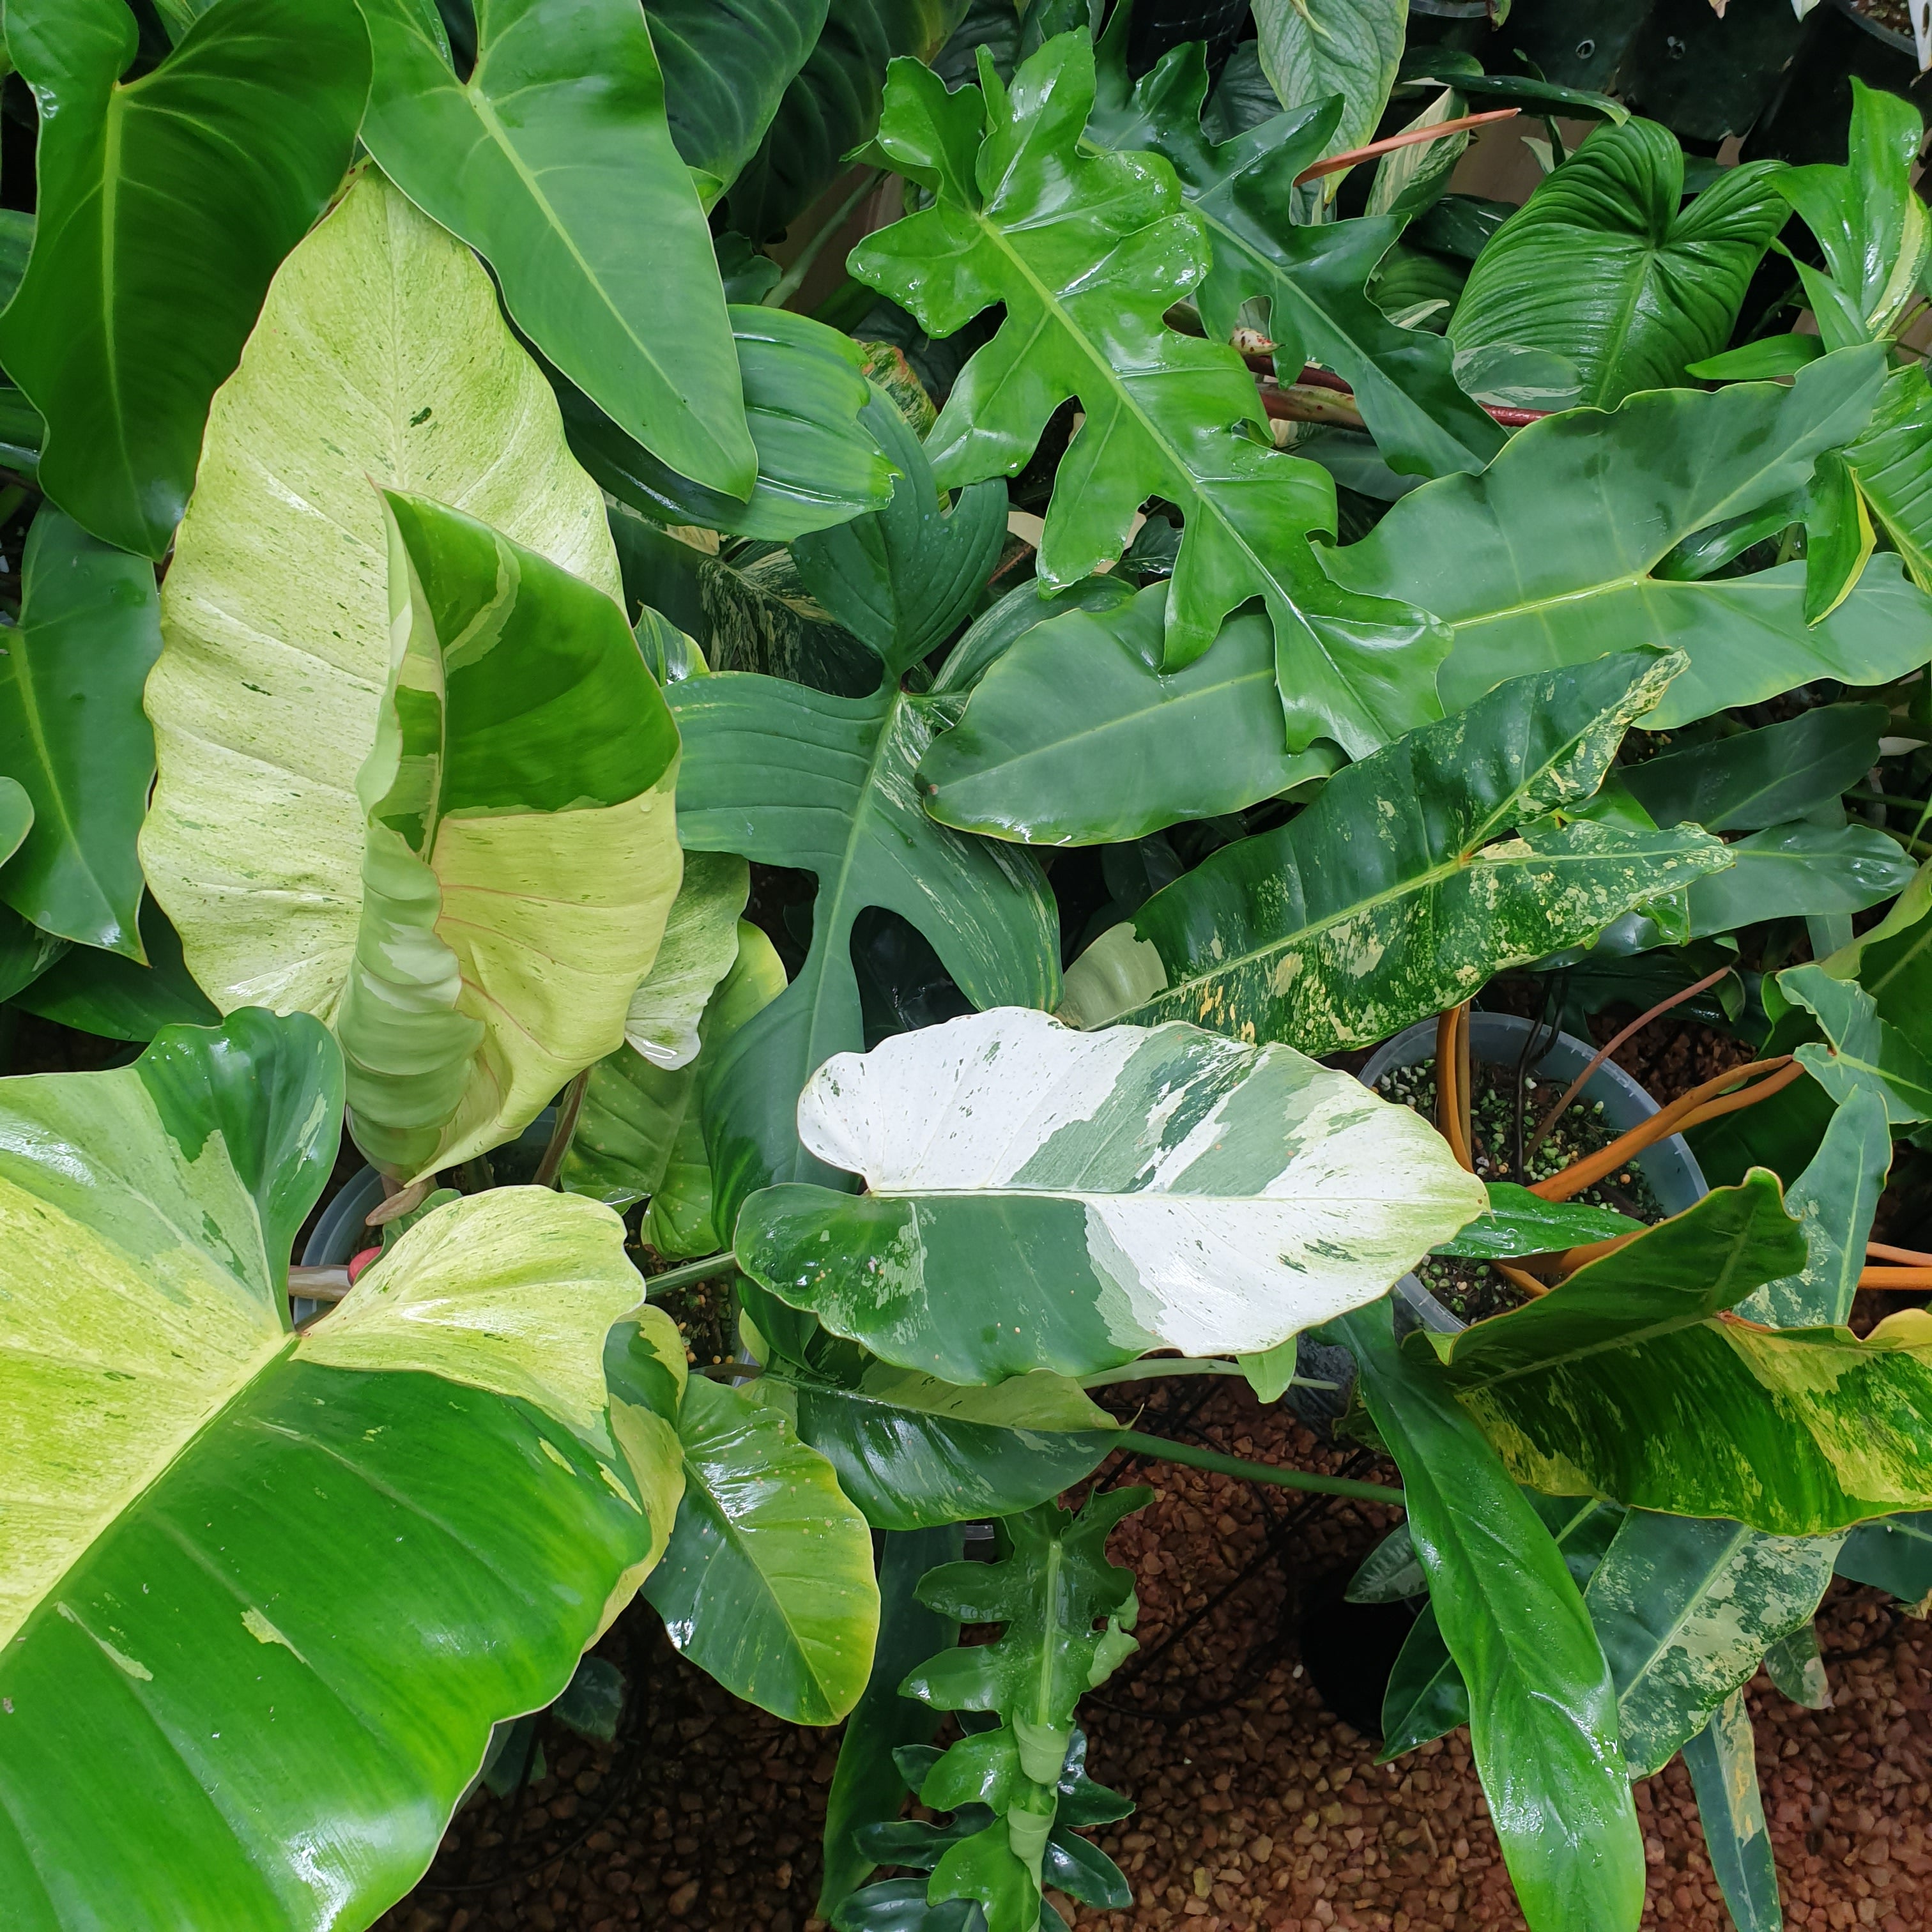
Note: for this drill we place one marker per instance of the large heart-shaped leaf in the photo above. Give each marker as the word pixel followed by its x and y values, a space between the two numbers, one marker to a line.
pixel 1603 264
pixel 1313 276
pixel 1624 1381
pixel 1523 580
pixel 1542 1721
pixel 1328 935
pixel 561 122
pixel 788 776
pixel 72 734
pixel 312 1569
pixel 1041 1198
pixel 165 205
pixel 1086 251
pixel 521 851
pixel 382 357
pixel 1075 735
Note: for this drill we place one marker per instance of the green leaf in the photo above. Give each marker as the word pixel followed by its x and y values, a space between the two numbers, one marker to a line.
pixel 903 578
pixel 1685 1608
pixel 164 208
pixel 265 700
pixel 1894 1554
pixel 107 993
pixel 914 1452
pixel 1041 1198
pixel 1348 47
pixel 1314 277
pixel 16 816
pixel 1789 871
pixel 788 776
pixel 767 1583
pixel 1086 251
pixel 1835 1201
pixel 1892 461
pixel 263 1575
pixel 1520 1222
pixel 1605 264
pixel 1838 537
pixel 1722 1760
pixel 1316 934
pixel 1622 1382
pixel 1075 736
pixel 1523 580
pixel 72 732
pixel 1754 779
pixel 699 947
pixel 1796 1665
pixel 562 121
pixel 726 64
pixel 1860 1051
pixel 866 1787
pixel 521 849
pixel 1543 1717
pixel 817 462
pixel 1001 626
pixel 1764 360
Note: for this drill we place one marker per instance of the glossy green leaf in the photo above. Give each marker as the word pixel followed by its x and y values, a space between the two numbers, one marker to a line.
pixel 699 947
pixel 1543 1716
pixel 1765 360
pixel 1623 1382
pixel 521 851
pixel 1834 1200
pixel 1520 1222
pixel 1685 1608
pixel 788 776
pixel 1314 277
pixel 1605 264
pixel 1892 460
pixel 1838 537
pixel 16 816
pixel 1754 779
pixel 1348 47
pixel 817 462
pixel 1796 1665
pixel 562 121
pixel 1722 1760
pixel 1040 1197
pixel 1075 736
pixel 1001 626
pixel 165 205
pixel 832 107
pixel 1894 1554
pixel 1419 872
pixel 1524 581
pixel 72 733
pixel 275 613
pixel 866 1786
pixel 913 1452
pixel 1086 251
pixel 1799 870
pixel 726 64
pixel 767 1583
pixel 902 579
pixel 1860 1051
pixel 107 993
pixel 314 1568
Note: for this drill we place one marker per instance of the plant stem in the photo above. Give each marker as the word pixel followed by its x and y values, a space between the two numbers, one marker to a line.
pixel 1212 1459
pixel 568 1109
pixel 688 1272
pixel 789 283
pixel 1410 137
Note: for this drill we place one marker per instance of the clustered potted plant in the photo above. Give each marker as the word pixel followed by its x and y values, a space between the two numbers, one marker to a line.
pixel 887 811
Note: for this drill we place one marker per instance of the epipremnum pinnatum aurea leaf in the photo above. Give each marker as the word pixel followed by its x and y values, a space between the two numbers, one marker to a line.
pixel 1524 577
pixel 521 854
pixel 1042 1198
pixel 381 357
pixel 235 1560
pixel 1087 250
pixel 1401 889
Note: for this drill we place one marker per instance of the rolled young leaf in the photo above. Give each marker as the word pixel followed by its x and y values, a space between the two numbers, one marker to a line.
pixel 165 206
pixel 1400 890
pixel 1044 1198
pixel 315 1569
pixel 72 733
pixel 563 119
pixel 521 853
pixel 382 356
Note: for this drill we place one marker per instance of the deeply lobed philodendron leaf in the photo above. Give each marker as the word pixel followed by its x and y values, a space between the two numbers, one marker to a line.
pixel 1524 578
pixel 1086 251
pixel 521 852
pixel 1860 1052
pixel 311 1569
pixel 1419 872
pixel 1041 1198
pixel 165 204
pixel 381 357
